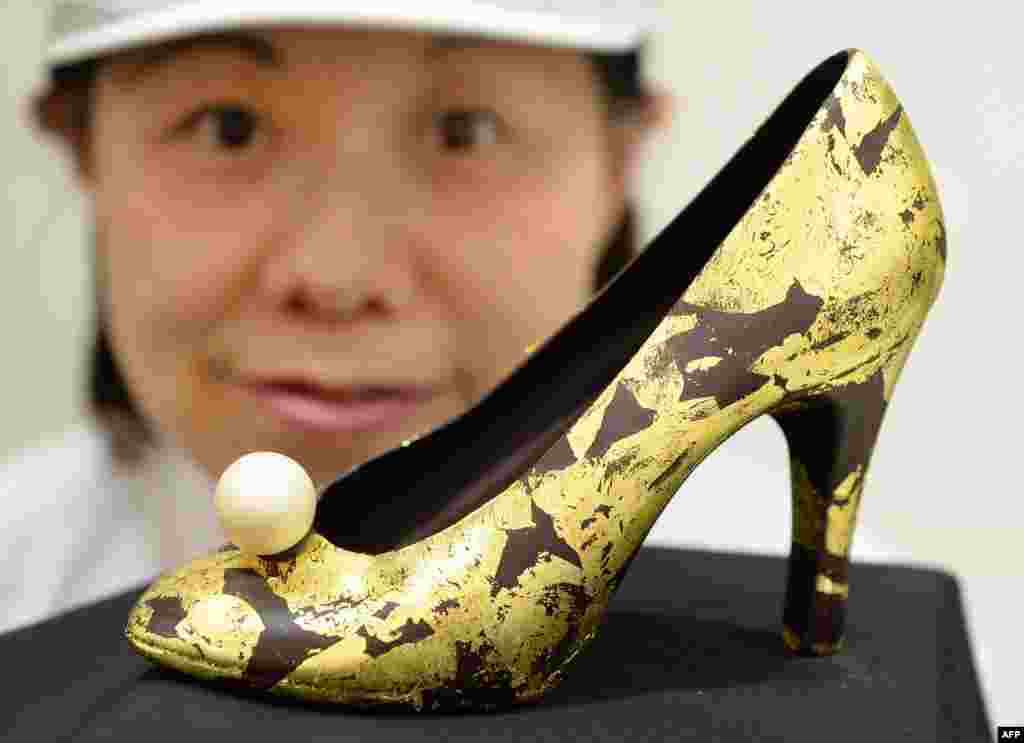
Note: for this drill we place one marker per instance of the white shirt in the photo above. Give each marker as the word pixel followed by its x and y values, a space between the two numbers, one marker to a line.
pixel 74 531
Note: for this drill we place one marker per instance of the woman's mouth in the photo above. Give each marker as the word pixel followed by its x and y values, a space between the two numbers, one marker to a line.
pixel 305 407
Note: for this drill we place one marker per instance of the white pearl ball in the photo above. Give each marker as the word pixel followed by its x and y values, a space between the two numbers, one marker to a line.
pixel 266 502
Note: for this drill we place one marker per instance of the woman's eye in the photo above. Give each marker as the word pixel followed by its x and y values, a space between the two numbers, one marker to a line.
pixel 224 126
pixel 462 129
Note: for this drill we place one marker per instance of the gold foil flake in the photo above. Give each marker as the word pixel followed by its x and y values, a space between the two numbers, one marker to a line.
pixel 824 584
pixel 702 364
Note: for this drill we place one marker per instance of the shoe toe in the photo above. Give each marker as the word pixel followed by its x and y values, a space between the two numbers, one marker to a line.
pixel 187 621
pixel 229 616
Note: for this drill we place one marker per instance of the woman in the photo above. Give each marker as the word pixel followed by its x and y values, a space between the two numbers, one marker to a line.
pixel 289 216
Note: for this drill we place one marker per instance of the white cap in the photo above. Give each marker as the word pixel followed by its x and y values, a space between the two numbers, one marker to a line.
pixel 80 29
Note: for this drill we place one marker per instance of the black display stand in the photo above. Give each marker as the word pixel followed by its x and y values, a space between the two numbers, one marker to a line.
pixel 690 651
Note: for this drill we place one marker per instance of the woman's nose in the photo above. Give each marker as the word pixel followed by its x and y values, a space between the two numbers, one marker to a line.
pixel 349 255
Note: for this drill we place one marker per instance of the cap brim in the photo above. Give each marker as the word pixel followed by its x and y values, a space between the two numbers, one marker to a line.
pixel 448 16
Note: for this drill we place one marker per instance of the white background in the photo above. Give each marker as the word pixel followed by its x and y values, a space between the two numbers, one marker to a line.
pixel 943 487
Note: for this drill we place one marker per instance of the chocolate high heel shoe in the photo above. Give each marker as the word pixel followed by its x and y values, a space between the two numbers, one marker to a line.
pixel 470 567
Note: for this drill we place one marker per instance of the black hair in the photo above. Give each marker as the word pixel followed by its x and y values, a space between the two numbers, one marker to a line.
pixel 108 396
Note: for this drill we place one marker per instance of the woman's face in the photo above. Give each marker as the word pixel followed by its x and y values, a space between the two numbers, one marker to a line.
pixel 348 208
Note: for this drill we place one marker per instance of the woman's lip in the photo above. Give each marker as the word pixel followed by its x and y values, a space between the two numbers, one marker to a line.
pixel 307 409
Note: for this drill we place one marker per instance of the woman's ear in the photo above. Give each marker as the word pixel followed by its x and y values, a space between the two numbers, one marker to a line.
pixel 57 114
pixel 653 114
pixel 659 109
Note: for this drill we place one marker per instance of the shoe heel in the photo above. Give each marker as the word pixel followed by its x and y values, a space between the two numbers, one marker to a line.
pixel 830 437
